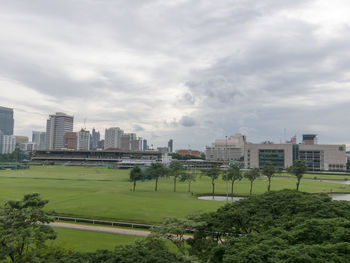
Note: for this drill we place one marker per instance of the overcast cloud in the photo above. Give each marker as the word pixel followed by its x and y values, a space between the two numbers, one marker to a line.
pixel 192 71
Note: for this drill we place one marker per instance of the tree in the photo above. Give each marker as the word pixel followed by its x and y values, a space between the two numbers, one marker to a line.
pixel 251 175
pixel 175 230
pixel 135 175
pixel 189 178
pixel 269 170
pixel 298 169
pixel 176 169
pixel 213 173
pixel 233 174
pixel 155 171
pixel 23 228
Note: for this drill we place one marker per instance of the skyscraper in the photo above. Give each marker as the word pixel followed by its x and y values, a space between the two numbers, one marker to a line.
pixel 39 138
pixel 170 145
pixel 57 125
pixel 83 140
pixel 7 143
pixel 95 138
pixel 6 120
pixel 113 138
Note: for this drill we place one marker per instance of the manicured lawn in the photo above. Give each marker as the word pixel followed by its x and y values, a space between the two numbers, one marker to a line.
pixel 86 241
pixel 322 176
pixel 102 192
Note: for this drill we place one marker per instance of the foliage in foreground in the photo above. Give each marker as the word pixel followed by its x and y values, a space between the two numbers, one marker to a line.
pixel 283 226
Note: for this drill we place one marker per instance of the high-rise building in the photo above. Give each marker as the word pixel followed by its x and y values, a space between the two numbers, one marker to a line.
pixel 113 138
pixel 126 141
pixel 39 139
pixel 144 145
pixel 6 121
pixel 57 126
pixel 7 143
pixel 170 145
pixel 70 140
pixel 83 140
pixel 95 138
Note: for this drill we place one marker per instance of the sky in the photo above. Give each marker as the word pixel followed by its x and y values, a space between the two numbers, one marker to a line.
pixel 190 70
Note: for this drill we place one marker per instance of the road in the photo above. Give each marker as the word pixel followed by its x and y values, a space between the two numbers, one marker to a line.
pixel 106 229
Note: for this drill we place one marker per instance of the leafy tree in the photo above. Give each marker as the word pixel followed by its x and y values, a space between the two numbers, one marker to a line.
pixel 135 175
pixel 251 175
pixel 213 173
pixel 233 174
pixel 176 169
pixel 269 170
pixel 155 171
pixel 189 178
pixel 175 230
pixel 23 228
pixel 298 169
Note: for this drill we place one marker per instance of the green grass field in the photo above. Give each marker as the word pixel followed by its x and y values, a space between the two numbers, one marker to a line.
pixel 102 192
pixel 85 241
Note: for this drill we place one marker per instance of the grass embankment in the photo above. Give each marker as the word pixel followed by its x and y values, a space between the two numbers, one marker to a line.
pixel 85 241
pixel 101 192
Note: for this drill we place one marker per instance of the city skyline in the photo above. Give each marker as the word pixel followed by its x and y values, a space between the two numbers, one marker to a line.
pixel 193 71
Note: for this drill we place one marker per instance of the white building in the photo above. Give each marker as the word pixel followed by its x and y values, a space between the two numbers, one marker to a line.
pixel 113 138
pixel 7 143
pixel 83 140
pixel 39 139
pixel 229 149
pixel 28 146
pixel 57 125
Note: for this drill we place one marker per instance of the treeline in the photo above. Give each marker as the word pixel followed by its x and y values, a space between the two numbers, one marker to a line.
pixel 16 156
pixel 279 226
pixel 232 174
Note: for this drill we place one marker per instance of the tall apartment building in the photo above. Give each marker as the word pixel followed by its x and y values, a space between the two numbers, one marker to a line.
pixel 126 141
pixel 39 139
pixel 95 138
pixel 83 140
pixel 231 148
pixel 113 138
pixel 57 125
pixel 7 143
pixel 6 121
pixel 70 140
pixel 171 145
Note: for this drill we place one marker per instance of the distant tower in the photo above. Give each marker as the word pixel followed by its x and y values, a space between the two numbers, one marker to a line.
pixel 83 140
pixel 57 125
pixel 6 121
pixel 113 138
pixel 170 145
pixel 95 138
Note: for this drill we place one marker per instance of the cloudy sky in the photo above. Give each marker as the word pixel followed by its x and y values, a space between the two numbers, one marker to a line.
pixel 192 70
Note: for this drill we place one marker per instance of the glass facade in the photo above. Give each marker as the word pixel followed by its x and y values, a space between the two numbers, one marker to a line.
pixel 6 121
pixel 275 157
pixel 313 159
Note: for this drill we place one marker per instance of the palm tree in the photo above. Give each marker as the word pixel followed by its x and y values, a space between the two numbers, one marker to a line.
pixel 176 169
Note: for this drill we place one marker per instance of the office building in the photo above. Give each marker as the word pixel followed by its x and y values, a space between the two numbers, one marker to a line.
pixel 126 141
pixel 113 138
pixel 39 139
pixel 28 146
pixel 57 125
pixel 144 145
pixel 70 140
pixel 229 149
pixel 171 145
pixel 95 138
pixel 317 157
pixel 83 140
pixel 7 143
pixel 6 121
